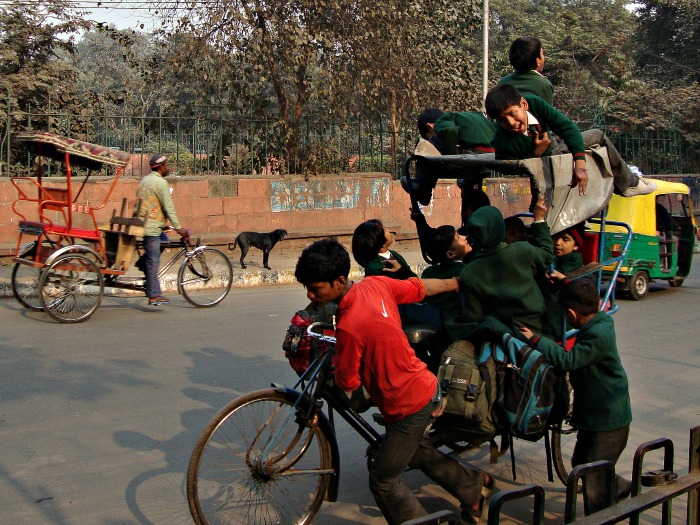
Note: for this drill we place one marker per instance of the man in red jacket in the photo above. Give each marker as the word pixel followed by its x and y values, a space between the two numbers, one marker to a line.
pixel 372 351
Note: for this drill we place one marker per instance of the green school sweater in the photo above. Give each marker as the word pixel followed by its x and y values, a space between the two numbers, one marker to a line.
pixel 553 315
pixel 531 83
pixel 466 128
pixel 500 279
pixel 376 267
pixel 601 389
pixel 514 146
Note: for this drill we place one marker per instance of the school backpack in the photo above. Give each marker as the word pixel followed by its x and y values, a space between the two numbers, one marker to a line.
pixel 470 386
pixel 533 392
pixel 298 347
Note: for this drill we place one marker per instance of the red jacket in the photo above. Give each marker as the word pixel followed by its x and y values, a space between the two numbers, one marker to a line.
pixel 373 351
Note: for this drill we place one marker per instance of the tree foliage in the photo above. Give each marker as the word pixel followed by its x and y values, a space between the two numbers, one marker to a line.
pixel 33 37
pixel 668 49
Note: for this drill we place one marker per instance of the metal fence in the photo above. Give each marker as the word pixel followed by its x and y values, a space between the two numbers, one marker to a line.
pixel 214 143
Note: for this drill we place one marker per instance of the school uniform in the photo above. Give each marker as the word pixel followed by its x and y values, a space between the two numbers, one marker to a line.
pixel 376 267
pixel 531 83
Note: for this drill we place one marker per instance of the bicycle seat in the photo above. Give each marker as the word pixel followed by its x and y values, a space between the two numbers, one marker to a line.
pixel 420 333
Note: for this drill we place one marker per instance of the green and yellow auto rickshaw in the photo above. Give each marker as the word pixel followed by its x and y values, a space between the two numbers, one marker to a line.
pixel 663 239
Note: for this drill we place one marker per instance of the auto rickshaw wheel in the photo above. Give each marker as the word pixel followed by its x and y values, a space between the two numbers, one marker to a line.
pixel 638 285
pixel 676 281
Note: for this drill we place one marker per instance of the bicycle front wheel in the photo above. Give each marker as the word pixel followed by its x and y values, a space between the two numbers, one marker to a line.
pixel 205 277
pixel 71 288
pixel 256 464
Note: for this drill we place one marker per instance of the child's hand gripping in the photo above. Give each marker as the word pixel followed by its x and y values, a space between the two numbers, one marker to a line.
pixel 391 265
pixel 542 142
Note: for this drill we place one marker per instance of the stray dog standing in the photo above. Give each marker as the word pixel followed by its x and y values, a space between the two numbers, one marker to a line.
pixel 262 241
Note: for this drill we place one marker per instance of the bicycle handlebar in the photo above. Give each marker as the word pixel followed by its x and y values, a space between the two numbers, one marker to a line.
pixel 321 336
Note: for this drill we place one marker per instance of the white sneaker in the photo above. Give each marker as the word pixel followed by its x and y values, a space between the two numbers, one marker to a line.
pixel 643 187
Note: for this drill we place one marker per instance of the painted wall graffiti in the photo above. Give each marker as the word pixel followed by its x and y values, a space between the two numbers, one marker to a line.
pixel 298 195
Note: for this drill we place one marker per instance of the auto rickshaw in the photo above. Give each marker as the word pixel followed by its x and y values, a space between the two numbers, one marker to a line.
pixel 663 239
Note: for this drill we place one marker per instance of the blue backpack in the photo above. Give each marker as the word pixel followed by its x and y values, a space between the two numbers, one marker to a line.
pixel 532 394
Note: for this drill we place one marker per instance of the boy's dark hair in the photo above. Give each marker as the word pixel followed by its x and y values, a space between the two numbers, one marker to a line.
pixel 472 200
pixel 439 242
pixel 515 229
pixel 367 240
pixel 322 261
pixel 501 98
pixel 581 295
pixel 428 116
pixel 524 52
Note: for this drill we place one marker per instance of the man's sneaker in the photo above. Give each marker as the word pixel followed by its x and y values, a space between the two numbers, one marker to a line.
pixel 643 187
pixel 158 301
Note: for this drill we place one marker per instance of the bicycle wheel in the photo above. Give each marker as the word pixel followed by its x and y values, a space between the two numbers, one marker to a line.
pixel 562 443
pixel 71 288
pixel 25 279
pixel 231 481
pixel 205 278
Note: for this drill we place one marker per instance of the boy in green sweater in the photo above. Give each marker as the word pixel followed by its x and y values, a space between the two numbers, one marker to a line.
pixel 470 130
pixel 500 279
pixel 527 58
pixel 370 247
pixel 526 123
pixel 602 411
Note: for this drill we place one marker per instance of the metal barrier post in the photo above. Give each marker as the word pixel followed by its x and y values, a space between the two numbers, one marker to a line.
pixel 497 501
pixel 637 463
pixel 579 472
pixel 436 518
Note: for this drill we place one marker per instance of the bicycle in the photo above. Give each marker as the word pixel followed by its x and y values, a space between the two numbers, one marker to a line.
pixel 71 285
pixel 271 456
pixel 203 279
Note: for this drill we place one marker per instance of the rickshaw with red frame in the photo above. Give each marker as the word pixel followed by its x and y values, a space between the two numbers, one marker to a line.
pixel 64 259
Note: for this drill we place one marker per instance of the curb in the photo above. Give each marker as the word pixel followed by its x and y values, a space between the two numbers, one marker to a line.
pixel 240 280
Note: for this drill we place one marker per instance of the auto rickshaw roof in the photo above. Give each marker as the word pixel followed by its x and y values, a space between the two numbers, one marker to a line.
pixel 84 154
pixel 640 211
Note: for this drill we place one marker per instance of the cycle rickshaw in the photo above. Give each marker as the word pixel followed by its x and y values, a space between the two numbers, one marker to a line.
pixel 64 259
pixel 271 456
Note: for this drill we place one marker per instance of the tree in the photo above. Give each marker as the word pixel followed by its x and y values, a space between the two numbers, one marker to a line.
pixel 32 38
pixel 668 50
pixel 277 42
pixel 402 56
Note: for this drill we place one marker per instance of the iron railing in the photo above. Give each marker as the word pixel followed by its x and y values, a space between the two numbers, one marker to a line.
pixel 213 142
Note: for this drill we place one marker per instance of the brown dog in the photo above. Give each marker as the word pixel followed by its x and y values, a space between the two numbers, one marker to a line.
pixel 262 241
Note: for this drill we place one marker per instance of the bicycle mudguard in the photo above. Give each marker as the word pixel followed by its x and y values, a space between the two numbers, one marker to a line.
pixel 294 396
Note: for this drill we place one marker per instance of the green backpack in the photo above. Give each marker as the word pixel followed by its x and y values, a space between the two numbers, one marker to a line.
pixel 470 388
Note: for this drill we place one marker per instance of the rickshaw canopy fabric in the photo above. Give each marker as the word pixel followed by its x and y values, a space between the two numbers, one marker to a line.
pixel 640 211
pixel 84 154
pixel 548 175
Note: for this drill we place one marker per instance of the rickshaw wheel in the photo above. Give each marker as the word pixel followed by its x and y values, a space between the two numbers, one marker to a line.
pixel 71 288
pixel 25 278
pixel 638 285
pixel 676 281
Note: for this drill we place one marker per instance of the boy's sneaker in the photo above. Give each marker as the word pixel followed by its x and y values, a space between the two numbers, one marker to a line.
pixel 158 301
pixel 643 187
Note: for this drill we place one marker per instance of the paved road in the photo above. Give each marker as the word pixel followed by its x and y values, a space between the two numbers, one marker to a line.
pixel 97 420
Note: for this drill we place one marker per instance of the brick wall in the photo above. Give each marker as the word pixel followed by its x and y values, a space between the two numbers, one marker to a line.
pixel 217 208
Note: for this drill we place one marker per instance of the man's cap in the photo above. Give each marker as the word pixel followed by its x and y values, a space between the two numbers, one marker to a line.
pixel 157 160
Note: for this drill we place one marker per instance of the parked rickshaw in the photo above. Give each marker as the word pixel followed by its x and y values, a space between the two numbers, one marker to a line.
pixel 64 259
pixel 663 238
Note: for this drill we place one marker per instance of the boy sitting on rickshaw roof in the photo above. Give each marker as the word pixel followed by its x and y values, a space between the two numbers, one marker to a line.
pixel 469 129
pixel 524 132
pixel 527 58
